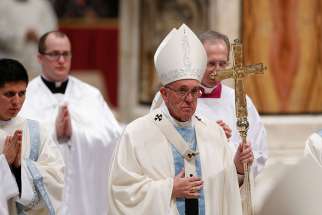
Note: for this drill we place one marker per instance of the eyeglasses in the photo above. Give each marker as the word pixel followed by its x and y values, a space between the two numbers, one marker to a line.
pixel 54 56
pixel 184 92
pixel 219 63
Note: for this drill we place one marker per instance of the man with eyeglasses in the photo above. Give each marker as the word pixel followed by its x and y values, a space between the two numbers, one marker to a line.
pixel 173 161
pixel 81 123
pixel 31 165
pixel 217 101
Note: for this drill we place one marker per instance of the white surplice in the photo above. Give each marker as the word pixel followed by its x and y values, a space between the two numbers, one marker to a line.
pixel 223 108
pixel 142 172
pixel 50 165
pixel 88 153
pixel 313 147
pixel 8 185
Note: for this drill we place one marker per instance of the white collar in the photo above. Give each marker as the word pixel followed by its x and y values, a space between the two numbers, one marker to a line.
pixel 208 89
pixel 176 123
pixel 57 83
pixel 10 122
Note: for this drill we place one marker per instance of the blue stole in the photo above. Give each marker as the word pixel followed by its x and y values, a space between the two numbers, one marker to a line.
pixel 189 135
pixel 41 191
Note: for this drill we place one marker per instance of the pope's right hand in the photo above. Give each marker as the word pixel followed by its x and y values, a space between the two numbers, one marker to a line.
pixel 186 187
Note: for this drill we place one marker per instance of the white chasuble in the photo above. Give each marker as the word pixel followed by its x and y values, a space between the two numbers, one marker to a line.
pixel 88 153
pixel 313 147
pixel 223 108
pixel 42 174
pixel 142 172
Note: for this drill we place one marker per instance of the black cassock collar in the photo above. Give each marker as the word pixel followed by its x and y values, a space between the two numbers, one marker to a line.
pixel 55 87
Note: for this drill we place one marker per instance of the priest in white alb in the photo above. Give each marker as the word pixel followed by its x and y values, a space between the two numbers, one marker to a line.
pixel 172 161
pixel 31 165
pixel 80 121
pixel 217 101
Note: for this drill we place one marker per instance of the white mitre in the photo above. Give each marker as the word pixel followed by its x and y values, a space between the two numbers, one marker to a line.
pixel 180 56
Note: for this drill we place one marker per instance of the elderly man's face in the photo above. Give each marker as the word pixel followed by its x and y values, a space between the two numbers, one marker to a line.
pixel 181 98
pixel 12 96
pixel 217 54
pixel 56 60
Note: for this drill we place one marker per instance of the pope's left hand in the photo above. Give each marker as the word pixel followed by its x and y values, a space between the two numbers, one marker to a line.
pixel 244 154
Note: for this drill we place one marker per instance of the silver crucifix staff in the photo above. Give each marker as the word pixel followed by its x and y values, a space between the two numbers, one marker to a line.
pixel 239 72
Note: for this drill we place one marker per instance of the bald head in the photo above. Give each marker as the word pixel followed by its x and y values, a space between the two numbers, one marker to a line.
pixel 217 47
pixel 212 37
pixel 42 40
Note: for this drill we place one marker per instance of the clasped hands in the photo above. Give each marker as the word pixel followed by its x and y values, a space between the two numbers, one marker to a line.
pixel 12 148
pixel 63 124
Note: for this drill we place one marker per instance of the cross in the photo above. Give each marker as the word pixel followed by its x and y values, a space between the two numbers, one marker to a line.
pixel 158 117
pixel 239 72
